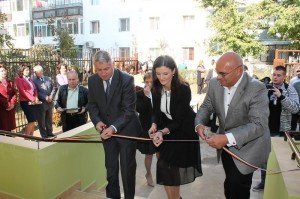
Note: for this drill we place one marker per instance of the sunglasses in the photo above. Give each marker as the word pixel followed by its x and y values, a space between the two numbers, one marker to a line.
pixel 298 71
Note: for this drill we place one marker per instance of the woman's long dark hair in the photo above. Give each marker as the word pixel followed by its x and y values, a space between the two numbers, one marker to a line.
pixel 167 61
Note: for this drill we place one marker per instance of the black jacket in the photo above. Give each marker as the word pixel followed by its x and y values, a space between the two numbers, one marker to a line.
pixel 63 96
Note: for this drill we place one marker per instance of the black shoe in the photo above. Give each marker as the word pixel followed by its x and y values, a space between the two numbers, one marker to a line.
pixel 52 136
pixel 259 187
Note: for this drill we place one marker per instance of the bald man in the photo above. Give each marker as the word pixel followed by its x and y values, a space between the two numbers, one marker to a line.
pixel 241 104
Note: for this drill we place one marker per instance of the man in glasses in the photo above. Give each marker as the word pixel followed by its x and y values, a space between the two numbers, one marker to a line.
pixel 295 81
pixel 239 102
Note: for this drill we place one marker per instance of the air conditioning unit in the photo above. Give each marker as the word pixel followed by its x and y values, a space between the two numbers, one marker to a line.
pixel 89 44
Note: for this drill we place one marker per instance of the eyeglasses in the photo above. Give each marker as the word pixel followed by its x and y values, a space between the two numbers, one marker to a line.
pixel 298 71
pixel 223 75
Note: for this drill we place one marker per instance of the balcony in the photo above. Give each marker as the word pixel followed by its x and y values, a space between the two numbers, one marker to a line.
pixel 56 8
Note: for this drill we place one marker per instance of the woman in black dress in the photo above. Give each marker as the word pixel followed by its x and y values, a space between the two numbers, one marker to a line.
pixel 179 162
pixel 144 108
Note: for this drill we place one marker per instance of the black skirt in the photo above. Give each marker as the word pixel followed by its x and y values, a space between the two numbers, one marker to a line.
pixel 146 147
pixel 179 163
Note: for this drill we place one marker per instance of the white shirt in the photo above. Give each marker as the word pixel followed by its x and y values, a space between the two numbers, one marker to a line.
pixel 165 103
pixel 105 86
pixel 228 95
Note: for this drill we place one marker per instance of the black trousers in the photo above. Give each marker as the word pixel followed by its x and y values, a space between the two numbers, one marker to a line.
pixel 124 149
pixel 236 185
pixel 294 121
pixel 73 121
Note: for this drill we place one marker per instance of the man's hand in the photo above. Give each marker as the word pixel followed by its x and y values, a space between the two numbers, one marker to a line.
pixel 100 126
pixel 60 110
pixel 277 92
pixel 200 130
pixel 107 133
pixel 82 110
pixel 217 141
pixel 158 138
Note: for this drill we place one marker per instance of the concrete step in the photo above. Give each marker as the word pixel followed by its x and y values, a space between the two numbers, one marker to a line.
pixel 86 195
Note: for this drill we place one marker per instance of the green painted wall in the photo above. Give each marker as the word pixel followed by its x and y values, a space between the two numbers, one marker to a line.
pixel 45 173
pixel 275 187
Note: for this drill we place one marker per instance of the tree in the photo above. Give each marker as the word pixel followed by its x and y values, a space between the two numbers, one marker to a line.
pixel 281 18
pixel 5 38
pixel 234 29
pixel 67 47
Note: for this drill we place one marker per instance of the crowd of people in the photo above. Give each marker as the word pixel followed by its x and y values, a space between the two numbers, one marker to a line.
pixel 161 110
pixel 38 95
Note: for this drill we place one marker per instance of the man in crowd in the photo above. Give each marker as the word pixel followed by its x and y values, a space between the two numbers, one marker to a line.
pixel 239 102
pixel 283 102
pixel 46 92
pixel 111 106
pixel 295 81
pixel 71 102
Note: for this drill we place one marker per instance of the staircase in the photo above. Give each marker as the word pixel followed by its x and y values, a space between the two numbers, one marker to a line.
pixel 89 193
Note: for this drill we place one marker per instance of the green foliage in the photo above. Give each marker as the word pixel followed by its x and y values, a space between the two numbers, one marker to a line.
pixel 66 44
pixel 43 52
pixel 5 39
pixel 234 30
pixel 67 47
pixel 216 4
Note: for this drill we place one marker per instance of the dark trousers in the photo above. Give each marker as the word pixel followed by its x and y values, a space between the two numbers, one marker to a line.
pixel 72 121
pixel 125 149
pixel 236 185
pixel 44 119
pixel 294 121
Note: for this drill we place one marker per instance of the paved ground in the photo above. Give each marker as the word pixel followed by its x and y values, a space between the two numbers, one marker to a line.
pixel 209 186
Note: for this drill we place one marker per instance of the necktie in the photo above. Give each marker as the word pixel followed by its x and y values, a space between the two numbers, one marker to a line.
pixel 107 88
pixel 42 79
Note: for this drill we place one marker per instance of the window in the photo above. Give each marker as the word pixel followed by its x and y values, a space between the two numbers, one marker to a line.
pixel 124 52
pixel 71 25
pixel 21 30
pixel 43 30
pixel 95 27
pixel 124 24
pixel 188 21
pixel 19 5
pixel 94 2
pixel 40 31
pixel 154 23
pixel 188 53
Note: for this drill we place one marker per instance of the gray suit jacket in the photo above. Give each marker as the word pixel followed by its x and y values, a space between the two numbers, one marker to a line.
pixel 45 89
pixel 247 119
pixel 119 109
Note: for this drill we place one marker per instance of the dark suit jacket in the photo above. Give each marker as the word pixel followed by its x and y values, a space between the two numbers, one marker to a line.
pixel 119 109
pixel 45 89
pixel 144 108
pixel 63 96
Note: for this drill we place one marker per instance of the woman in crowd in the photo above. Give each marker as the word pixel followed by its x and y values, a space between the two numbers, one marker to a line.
pixel 144 108
pixel 61 77
pixel 8 102
pixel 179 162
pixel 28 97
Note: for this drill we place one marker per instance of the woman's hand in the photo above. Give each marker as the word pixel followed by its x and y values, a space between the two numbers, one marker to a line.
pixel 158 138
pixel 152 130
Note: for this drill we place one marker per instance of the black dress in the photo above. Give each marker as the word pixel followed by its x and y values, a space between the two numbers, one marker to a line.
pixel 179 162
pixel 144 108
